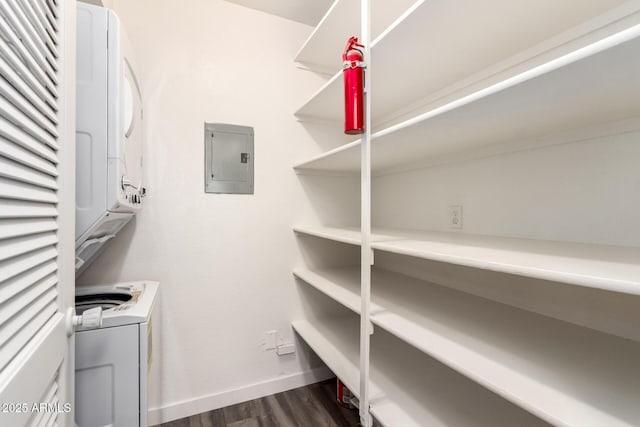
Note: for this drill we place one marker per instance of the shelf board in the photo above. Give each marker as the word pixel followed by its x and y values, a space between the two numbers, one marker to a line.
pixel 612 268
pixel 565 374
pixel 339 160
pixel 349 235
pixel 326 104
pixel 341 284
pixel 322 51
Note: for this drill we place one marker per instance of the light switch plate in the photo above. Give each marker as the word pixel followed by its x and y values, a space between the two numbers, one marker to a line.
pixel 270 340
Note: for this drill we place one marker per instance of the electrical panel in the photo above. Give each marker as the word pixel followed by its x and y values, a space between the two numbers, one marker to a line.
pixel 228 158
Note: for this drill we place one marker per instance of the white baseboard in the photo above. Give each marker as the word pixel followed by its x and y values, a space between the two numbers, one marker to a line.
pixel 197 405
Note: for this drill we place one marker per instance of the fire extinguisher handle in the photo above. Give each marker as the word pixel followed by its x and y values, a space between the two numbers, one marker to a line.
pixel 351 43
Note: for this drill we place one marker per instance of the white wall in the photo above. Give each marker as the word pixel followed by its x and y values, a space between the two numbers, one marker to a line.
pixel 224 261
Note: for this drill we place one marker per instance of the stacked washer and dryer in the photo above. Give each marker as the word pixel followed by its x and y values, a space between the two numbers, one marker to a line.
pixel 113 356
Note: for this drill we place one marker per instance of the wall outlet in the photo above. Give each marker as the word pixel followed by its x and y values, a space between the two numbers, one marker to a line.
pixel 270 340
pixel 455 216
pixel 286 349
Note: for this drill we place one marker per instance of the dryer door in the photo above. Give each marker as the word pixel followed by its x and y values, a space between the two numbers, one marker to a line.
pixel 131 138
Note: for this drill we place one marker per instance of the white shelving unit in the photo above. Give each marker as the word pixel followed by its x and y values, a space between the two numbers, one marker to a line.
pixel 565 374
pixel 596 84
pixel 512 74
pixel 476 51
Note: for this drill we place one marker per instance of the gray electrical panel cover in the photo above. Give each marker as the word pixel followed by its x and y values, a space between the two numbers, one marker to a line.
pixel 228 158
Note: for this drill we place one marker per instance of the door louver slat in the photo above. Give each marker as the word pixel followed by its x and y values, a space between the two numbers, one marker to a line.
pixel 12 189
pixel 51 17
pixel 24 262
pixel 26 158
pixel 12 228
pixel 22 209
pixel 20 137
pixel 17 117
pixel 12 59
pixel 12 287
pixel 40 31
pixel 40 13
pixel 21 245
pixel 22 328
pixel 51 5
pixel 28 32
pixel 19 172
pixel 25 89
pixel 25 298
pixel 31 49
pixel 25 107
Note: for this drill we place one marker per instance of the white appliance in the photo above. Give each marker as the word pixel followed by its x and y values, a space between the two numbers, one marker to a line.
pixel 109 138
pixel 113 360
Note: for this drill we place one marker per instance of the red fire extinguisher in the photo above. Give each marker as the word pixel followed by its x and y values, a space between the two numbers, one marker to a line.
pixel 353 73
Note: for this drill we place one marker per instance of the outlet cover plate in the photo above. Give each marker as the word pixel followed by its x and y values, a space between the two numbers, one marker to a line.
pixel 455 217
pixel 270 340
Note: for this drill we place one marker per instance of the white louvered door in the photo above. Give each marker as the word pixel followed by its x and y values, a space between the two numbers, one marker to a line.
pixel 37 186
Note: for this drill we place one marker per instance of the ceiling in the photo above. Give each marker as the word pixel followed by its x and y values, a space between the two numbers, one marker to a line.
pixel 306 11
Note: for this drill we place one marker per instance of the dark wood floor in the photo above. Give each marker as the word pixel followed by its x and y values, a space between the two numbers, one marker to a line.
pixel 311 406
